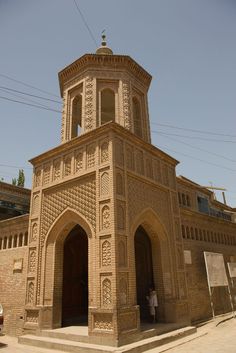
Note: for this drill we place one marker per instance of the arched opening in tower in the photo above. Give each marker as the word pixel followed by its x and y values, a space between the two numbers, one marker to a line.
pixel 144 270
pixel 75 278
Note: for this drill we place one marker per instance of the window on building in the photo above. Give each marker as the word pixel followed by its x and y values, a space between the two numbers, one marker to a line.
pixel 76 116
pixel 137 117
pixel 10 242
pixel 107 106
pixel 15 241
pixel 203 204
pixel 20 239
pixel 5 243
pixel 26 239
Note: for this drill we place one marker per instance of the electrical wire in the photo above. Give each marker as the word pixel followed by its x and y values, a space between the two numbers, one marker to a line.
pixel 192 130
pixel 198 159
pixel 192 137
pixel 31 105
pixel 28 94
pixel 85 23
pixel 200 149
pixel 25 99
pixel 28 85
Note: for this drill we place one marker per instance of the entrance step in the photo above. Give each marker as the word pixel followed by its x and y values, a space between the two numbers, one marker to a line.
pixel 71 344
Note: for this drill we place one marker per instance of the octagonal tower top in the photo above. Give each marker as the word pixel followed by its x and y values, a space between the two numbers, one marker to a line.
pixel 103 87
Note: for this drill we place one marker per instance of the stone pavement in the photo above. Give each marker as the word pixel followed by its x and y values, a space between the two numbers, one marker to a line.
pixel 216 336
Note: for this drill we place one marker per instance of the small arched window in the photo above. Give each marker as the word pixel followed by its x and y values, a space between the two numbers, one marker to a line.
pixel 20 239
pixel 137 118
pixel 76 115
pixel 107 106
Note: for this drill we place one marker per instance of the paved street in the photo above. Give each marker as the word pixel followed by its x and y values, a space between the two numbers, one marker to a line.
pixel 208 339
pixel 220 339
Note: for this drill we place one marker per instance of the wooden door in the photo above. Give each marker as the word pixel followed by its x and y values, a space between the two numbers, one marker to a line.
pixel 144 270
pixel 75 278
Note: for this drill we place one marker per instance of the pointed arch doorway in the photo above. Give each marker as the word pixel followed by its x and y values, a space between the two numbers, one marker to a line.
pixel 75 278
pixel 144 270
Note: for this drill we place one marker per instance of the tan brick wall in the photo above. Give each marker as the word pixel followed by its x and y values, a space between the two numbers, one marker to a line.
pixel 12 288
pixel 197 282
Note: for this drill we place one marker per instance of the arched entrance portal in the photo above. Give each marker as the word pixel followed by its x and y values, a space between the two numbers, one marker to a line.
pixel 75 278
pixel 144 270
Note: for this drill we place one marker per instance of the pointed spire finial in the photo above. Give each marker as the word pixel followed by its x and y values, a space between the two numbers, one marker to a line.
pixel 104 42
pixel 104 50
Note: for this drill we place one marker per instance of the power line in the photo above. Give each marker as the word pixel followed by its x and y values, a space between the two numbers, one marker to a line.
pixel 25 99
pixel 85 23
pixel 192 137
pixel 31 105
pixel 198 159
pixel 198 148
pixel 28 85
pixel 28 94
pixel 193 130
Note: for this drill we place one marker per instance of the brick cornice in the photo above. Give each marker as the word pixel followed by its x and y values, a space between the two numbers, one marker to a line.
pixel 94 134
pixel 113 62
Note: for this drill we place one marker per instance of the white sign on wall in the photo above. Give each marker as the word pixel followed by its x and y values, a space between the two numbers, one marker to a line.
pixel 187 257
pixel 215 268
pixel 232 269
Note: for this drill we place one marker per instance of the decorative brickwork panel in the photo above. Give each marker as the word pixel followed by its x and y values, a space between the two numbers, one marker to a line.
pixel 165 175
pixel 37 177
pixel 119 184
pixel 32 316
pixel 30 293
pixel 130 158
pixel 103 322
pixel 34 232
pixel 35 207
pixel 46 175
pixel 104 152
pixel 120 217
pixel 105 217
pixel 174 203
pixel 139 162
pixel 91 156
pixel 142 195
pixel 106 253
pixel 106 292
pixel 57 170
pixel 119 153
pixel 177 230
pixel 105 184
pixel 88 121
pixel 67 166
pixel 78 161
pixel 172 177
pixel 80 196
pixel 149 171
pixel 32 260
pixel 123 291
pixel 157 171
pixel 121 253
pixel 126 105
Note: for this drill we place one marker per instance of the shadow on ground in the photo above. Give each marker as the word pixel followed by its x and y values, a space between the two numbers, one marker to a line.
pixel 3 345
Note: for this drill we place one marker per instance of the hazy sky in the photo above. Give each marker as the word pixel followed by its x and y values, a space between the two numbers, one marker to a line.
pixel 188 46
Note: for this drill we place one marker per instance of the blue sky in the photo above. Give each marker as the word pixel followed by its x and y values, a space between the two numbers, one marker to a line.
pixel 188 46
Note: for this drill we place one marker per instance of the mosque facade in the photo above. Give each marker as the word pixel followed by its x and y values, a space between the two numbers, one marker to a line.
pixel 109 218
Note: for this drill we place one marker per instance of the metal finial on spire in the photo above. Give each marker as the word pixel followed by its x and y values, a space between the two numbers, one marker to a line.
pixel 104 50
pixel 104 42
